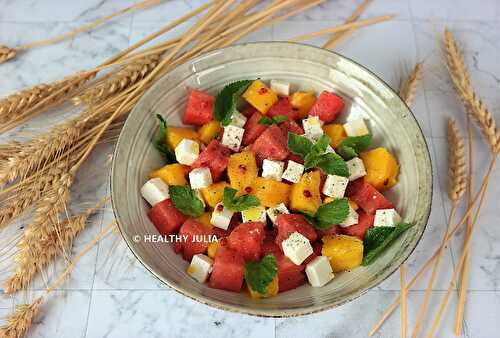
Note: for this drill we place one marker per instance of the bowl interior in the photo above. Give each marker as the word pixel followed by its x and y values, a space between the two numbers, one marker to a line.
pixel 308 68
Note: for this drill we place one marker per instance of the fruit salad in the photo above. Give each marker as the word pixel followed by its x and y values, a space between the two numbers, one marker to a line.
pixel 265 190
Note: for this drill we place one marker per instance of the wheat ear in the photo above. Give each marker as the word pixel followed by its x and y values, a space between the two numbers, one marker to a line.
pixel 7 53
pixel 473 104
pixel 124 78
pixel 456 163
pixel 19 322
pixel 408 87
pixel 31 260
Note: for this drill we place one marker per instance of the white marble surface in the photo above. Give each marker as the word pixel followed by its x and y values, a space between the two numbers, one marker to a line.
pixel 111 295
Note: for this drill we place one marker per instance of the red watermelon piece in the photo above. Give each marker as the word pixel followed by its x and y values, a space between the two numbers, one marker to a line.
pixel 221 233
pixel 367 197
pixel 215 157
pixel 327 107
pixel 247 239
pixel 290 276
pixel 199 108
pixel 292 127
pixel 283 107
pixel 317 246
pixel 249 111
pixel 227 270
pixel 195 237
pixel 272 144
pixel 166 218
pixel 295 158
pixel 359 230
pixel 288 223
pixel 253 129
pixel 334 230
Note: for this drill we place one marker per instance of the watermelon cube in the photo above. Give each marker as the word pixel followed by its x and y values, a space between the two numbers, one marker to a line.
pixel 253 129
pixel 166 218
pixel 327 107
pixel 292 127
pixel 249 111
pixel 227 270
pixel 288 223
pixel 333 230
pixel 271 145
pixel 365 222
pixel 367 197
pixel 195 239
pixel 215 157
pixel 199 108
pixel 317 247
pixel 247 239
pixel 290 275
pixel 283 107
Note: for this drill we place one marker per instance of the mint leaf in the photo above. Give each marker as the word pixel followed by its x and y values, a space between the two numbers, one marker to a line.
pixel 299 145
pixel 321 144
pixel 333 164
pixel 159 140
pixel 334 212
pixel 266 121
pixel 186 201
pixel 351 146
pixel 377 239
pixel 225 102
pixel 259 275
pixel 240 203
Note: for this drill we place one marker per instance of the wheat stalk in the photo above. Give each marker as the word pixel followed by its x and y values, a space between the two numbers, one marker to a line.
pixel 7 53
pixel 461 81
pixel 124 78
pixel 31 260
pixel 408 87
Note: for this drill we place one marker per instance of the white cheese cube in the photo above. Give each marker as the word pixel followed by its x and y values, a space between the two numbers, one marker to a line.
pixel 356 168
pixel 232 137
pixel 335 186
pixel 356 128
pixel 312 128
pixel 282 88
pixel 351 219
pixel 238 119
pixel 293 171
pixel 257 214
pixel 200 178
pixel 187 151
pixel 297 247
pixel 273 213
pixel 272 169
pixel 200 267
pixel 319 271
pixel 155 191
pixel 221 216
pixel 386 218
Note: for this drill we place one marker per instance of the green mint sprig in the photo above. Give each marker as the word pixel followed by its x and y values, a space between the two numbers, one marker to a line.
pixel 239 203
pixel 327 214
pixel 186 201
pixel 352 146
pixel 259 275
pixel 377 239
pixel 160 140
pixel 267 121
pixel 226 100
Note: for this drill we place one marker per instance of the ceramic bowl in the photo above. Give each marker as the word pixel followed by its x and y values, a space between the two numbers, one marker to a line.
pixel 308 68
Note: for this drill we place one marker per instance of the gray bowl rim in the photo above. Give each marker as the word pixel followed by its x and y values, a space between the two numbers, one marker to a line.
pixel 296 311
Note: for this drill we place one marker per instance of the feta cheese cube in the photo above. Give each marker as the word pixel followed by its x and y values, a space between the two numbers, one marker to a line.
pixel 200 178
pixel 293 171
pixel 297 247
pixel 356 128
pixel 282 88
pixel 232 137
pixel 200 267
pixel 257 214
pixel 352 218
pixel 273 213
pixel 221 216
pixel 356 168
pixel 238 119
pixel 187 151
pixel 335 186
pixel 386 218
pixel 154 191
pixel 319 271
pixel 312 127
pixel 272 169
